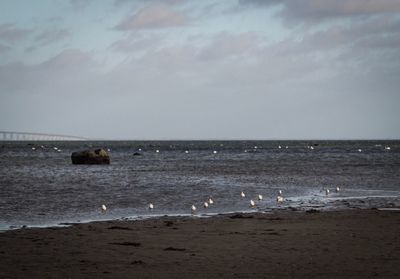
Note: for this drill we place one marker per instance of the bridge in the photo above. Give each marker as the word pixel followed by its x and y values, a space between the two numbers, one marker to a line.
pixel 22 136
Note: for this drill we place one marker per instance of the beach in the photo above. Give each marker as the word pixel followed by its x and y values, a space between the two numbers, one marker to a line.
pixel 277 244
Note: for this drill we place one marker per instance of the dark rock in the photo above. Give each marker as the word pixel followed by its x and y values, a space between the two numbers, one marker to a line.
pixel 137 154
pixel 91 157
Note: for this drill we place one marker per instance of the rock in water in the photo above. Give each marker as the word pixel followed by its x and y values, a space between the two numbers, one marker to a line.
pixel 90 157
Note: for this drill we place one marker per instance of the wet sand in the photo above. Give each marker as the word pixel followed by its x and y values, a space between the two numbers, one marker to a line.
pixel 282 244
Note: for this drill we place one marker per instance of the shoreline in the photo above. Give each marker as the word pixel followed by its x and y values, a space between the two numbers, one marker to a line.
pixel 330 204
pixel 325 204
pixel 278 244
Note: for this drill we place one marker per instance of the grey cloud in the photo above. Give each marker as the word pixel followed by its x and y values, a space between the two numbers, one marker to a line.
pixel 10 33
pixel 55 19
pixel 289 93
pixel 30 49
pixel 382 42
pixel 4 48
pixel 260 2
pixel 51 36
pixel 121 2
pixel 165 2
pixel 376 32
pixel 316 10
pixel 137 42
pixel 69 59
pixel 79 4
pixel 62 70
pixel 224 45
pixel 153 16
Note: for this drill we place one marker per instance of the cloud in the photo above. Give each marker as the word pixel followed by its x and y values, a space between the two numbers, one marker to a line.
pixel 54 19
pixel 79 4
pixel 137 42
pixel 316 10
pixel 69 59
pixel 51 36
pixel 153 16
pixel 227 84
pixel 225 44
pixel 61 71
pixel 378 32
pixel 4 48
pixel 121 2
pixel 11 34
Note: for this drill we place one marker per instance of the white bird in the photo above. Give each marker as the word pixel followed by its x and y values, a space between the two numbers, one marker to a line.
pixel 279 146
pixel 260 197
pixel 280 192
pixel 139 149
pixel 193 208
pixel 157 151
pixel 327 191
pixel 252 203
pixel 33 148
pixel 359 150
pixel 255 147
pixel 215 151
pixel 103 207
pixel 55 148
pixel 59 150
pixel 242 194
pixel 286 147
pixel 205 204
pixel 210 201
pixel 312 147
pixel 337 189
pixel 279 199
pixel 108 149
pixel 151 206
pixel 387 147
pixel 186 151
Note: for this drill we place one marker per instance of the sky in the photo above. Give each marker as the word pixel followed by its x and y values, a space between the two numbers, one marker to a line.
pixel 181 69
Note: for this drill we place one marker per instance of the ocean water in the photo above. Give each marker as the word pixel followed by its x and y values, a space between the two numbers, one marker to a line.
pixel 41 187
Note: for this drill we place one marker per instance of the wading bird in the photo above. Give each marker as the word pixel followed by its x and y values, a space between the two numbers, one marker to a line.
pixel 326 191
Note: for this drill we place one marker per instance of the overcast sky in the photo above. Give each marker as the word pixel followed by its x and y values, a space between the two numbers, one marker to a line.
pixel 176 69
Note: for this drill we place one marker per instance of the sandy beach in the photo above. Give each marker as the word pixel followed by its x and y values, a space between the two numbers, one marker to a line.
pixel 281 244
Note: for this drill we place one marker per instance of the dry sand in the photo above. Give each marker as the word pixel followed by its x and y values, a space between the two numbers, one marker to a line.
pixel 345 244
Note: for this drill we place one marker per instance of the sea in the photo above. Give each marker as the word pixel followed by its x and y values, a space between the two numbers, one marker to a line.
pixel 40 187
